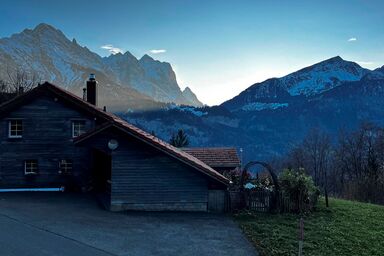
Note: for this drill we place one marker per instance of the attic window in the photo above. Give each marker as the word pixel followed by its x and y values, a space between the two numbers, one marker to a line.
pixel 65 166
pixel 78 128
pixel 15 128
pixel 31 167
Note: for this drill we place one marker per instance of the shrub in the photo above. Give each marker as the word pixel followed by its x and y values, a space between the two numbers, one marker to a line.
pixel 300 189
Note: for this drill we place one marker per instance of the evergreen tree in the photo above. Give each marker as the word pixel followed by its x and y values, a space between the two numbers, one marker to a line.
pixel 180 139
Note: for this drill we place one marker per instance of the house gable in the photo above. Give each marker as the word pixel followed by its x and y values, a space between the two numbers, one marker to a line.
pixel 46 139
pixel 168 177
pixel 56 94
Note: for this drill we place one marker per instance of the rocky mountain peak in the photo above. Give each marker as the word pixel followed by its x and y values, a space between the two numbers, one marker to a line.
pixel 331 64
pixel 46 51
pixel 146 58
pixel 191 97
pixel 322 76
pixel 44 27
pixel 380 69
pixel 334 59
pixel 46 30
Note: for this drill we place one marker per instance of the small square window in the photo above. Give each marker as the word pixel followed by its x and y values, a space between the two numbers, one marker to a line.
pixel 31 167
pixel 15 129
pixel 78 128
pixel 65 166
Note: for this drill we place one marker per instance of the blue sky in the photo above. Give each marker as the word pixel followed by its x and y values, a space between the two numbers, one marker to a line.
pixel 218 48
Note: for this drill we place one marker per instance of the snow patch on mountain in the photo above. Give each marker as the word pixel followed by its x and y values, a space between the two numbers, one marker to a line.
pixel 322 77
pixel 191 110
pixel 258 106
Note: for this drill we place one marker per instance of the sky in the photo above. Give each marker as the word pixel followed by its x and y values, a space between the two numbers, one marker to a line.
pixel 217 48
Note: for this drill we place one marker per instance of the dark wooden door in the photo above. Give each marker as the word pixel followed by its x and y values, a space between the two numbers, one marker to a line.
pixel 102 164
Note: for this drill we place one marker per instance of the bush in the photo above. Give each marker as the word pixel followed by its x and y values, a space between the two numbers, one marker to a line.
pixel 300 189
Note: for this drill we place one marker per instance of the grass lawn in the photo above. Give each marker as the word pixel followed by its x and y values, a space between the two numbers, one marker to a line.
pixel 345 228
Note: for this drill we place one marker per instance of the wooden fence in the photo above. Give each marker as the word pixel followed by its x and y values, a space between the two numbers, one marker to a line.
pixel 260 201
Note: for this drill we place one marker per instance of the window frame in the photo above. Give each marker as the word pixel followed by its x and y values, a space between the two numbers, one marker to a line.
pixel 35 169
pixel 83 122
pixel 17 136
pixel 68 166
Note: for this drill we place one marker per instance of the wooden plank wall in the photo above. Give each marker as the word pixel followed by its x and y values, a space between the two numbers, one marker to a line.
pixel 144 178
pixel 47 137
pixel 217 201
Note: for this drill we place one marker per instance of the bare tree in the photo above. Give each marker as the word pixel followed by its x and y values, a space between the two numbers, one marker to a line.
pixel 4 91
pixel 296 158
pixel 19 80
pixel 353 168
pixel 317 149
pixel 359 164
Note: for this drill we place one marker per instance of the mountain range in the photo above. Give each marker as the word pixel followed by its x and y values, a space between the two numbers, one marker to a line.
pixel 266 119
pixel 126 82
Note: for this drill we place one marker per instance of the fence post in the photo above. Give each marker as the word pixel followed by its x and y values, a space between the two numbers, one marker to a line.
pixel 301 236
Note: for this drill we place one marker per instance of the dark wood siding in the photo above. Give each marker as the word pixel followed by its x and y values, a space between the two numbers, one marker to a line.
pixel 144 178
pixel 47 137
pixel 216 200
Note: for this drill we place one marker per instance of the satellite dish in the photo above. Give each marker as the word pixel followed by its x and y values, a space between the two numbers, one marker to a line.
pixel 113 144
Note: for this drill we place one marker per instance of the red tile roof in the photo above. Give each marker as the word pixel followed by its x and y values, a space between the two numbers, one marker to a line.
pixel 113 120
pixel 216 157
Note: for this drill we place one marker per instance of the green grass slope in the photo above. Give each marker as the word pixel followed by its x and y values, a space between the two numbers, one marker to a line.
pixel 345 228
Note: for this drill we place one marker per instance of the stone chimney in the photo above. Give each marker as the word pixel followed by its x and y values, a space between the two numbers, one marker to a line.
pixel 92 90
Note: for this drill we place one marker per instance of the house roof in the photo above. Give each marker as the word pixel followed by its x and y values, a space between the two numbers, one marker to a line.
pixel 216 157
pixel 112 120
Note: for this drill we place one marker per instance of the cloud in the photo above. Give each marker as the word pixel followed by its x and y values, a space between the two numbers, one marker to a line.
pixel 111 49
pixel 365 62
pixel 352 39
pixel 157 51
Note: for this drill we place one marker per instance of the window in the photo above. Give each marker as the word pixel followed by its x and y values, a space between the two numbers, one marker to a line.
pixel 78 128
pixel 31 167
pixel 15 129
pixel 65 166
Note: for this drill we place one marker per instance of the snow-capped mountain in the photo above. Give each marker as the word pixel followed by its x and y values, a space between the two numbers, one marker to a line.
pixel 307 82
pixel 49 53
pixel 151 77
pixel 267 118
pixel 322 76
pixel 123 79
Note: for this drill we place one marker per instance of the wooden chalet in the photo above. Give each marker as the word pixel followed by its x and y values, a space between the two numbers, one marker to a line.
pixel 52 138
